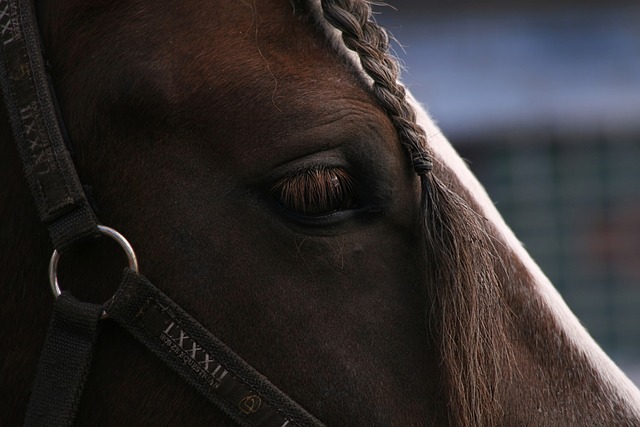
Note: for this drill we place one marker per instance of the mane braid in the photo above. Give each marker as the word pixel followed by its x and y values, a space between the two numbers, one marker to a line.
pixel 467 316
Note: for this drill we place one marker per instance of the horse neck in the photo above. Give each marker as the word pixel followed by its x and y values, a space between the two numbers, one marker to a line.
pixel 559 373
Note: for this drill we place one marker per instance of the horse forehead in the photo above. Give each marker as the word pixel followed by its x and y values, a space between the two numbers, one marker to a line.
pixel 264 47
pixel 253 72
pixel 274 77
pixel 237 35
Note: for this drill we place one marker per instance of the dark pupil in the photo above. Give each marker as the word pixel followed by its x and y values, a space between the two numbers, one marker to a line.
pixel 315 192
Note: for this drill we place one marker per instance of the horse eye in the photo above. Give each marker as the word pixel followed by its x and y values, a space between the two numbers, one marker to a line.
pixel 316 192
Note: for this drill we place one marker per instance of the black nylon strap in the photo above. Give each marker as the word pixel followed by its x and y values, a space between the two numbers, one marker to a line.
pixel 48 167
pixel 199 357
pixel 202 359
pixel 64 363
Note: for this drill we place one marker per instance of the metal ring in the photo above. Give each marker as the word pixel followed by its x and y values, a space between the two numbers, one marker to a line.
pixel 124 244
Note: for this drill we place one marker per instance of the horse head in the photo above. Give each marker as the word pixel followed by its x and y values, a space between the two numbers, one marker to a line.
pixel 271 175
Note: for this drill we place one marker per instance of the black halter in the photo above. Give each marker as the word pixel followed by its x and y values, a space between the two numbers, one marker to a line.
pixel 148 314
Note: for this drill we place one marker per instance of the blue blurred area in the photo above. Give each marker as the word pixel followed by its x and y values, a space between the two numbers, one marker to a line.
pixel 564 69
pixel 545 104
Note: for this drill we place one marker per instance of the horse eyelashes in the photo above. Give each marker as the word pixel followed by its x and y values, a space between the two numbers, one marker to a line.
pixel 316 192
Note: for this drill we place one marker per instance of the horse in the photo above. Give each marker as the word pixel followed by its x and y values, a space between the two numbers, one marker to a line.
pixel 278 182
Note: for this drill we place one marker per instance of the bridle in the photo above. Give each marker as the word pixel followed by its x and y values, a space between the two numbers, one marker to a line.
pixel 143 310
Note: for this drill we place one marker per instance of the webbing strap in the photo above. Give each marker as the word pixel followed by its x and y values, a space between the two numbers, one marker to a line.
pixel 48 167
pixel 202 359
pixel 149 315
pixel 64 363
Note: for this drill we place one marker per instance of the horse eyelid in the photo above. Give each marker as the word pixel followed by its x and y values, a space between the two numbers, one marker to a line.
pixel 315 191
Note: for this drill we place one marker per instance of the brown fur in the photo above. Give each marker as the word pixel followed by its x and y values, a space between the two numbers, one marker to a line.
pixel 516 366
pixel 186 117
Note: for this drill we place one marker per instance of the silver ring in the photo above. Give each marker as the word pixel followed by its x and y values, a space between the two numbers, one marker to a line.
pixel 106 231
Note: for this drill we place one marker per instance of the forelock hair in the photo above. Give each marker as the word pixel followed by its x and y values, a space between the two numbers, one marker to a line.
pixel 466 311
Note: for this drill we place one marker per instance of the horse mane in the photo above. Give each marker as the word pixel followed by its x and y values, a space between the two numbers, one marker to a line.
pixel 464 273
pixel 468 316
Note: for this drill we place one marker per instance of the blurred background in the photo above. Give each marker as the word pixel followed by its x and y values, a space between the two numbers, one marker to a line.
pixel 543 99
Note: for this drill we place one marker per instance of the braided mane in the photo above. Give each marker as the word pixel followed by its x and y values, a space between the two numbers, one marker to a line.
pixel 464 273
